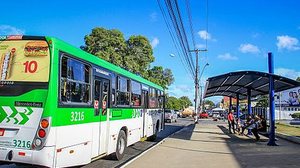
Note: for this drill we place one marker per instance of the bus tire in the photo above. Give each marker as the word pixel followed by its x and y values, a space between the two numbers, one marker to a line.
pixel 121 146
pixel 154 136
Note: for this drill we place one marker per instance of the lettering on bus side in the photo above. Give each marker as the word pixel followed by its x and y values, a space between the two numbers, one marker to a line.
pixel 77 116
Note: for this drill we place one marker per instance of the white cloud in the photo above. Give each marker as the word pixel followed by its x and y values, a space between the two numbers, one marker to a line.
pixel 182 90
pixel 153 17
pixel 249 48
pixel 215 99
pixel 255 35
pixel 200 46
pixel 204 35
pixel 154 42
pixel 10 30
pixel 227 56
pixel 289 73
pixel 287 42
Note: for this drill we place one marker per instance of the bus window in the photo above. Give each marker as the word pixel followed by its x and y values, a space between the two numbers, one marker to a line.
pixel 113 89
pixel 75 81
pixel 152 98
pixel 122 92
pixel 136 92
pixel 160 99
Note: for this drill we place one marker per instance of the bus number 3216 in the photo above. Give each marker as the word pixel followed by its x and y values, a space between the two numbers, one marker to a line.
pixel 77 116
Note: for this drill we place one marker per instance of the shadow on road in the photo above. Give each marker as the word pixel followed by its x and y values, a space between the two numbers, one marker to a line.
pixel 250 153
pixel 185 133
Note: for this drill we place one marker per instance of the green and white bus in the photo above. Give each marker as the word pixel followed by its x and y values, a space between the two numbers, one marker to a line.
pixel 61 106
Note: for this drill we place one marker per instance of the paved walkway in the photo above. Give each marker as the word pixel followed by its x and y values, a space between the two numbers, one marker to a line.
pixel 207 144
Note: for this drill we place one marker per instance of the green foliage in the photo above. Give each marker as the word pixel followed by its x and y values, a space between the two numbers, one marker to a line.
pixel 263 101
pixel 173 103
pixel 139 54
pixel 296 115
pixel 109 45
pixel 210 103
pixel 298 79
pixel 178 104
pixel 160 76
pixel 185 102
pixel 134 54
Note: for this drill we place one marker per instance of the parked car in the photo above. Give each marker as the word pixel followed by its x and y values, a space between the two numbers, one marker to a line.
pixel 170 116
pixel 177 112
pixel 203 115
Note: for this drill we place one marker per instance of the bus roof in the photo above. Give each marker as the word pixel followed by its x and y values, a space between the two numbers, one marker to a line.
pixel 98 61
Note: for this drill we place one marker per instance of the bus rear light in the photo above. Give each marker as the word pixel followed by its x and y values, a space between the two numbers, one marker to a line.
pixel 58 150
pixel 2 131
pixel 22 153
pixel 44 123
pixel 38 142
pixel 41 133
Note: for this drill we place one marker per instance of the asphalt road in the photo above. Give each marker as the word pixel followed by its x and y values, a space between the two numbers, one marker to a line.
pixel 139 147
pixel 132 151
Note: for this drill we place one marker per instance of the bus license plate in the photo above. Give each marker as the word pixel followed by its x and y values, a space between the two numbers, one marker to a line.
pixel 2 131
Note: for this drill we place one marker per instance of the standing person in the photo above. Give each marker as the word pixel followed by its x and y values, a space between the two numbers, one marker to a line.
pixel 230 119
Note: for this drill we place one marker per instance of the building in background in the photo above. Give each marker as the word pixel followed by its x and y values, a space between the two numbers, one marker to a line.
pixel 287 103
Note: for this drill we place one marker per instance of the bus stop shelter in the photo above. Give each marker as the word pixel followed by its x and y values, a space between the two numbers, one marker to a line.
pixel 248 84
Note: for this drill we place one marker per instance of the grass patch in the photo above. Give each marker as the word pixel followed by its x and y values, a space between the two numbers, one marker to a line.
pixel 289 130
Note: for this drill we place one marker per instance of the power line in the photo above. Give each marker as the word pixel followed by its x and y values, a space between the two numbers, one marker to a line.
pixel 190 22
pixel 173 38
pixel 175 17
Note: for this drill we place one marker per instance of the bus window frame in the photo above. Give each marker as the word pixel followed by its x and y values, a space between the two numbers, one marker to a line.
pixel 118 90
pixel 131 92
pixel 72 104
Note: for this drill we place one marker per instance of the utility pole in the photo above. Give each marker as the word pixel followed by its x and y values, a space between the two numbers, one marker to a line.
pixel 196 78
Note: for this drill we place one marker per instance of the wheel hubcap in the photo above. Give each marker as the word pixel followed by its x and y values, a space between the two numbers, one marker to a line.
pixel 121 145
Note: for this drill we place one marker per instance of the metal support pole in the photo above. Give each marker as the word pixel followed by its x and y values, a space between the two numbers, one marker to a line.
pixel 271 102
pixel 249 101
pixel 230 104
pixel 249 107
pixel 201 99
pixel 196 80
pixel 196 84
pixel 237 105
pixel 280 105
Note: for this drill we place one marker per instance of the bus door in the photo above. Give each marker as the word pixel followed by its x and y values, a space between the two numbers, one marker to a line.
pixel 145 100
pixel 101 104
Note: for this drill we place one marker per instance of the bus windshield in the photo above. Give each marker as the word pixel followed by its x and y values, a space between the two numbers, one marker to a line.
pixel 24 61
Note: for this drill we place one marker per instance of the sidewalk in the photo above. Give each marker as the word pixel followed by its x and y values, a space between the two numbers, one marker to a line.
pixel 207 144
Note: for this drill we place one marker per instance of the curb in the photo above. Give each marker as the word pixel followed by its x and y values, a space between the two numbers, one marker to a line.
pixel 288 137
pixel 152 147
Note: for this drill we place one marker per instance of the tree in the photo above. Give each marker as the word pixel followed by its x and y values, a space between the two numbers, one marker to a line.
pixel 262 101
pixel 109 45
pixel 185 102
pixel 298 79
pixel 209 102
pixel 173 103
pixel 134 54
pixel 139 54
pixel 160 76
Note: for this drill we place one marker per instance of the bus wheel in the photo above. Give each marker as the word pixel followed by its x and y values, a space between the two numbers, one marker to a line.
pixel 154 136
pixel 121 146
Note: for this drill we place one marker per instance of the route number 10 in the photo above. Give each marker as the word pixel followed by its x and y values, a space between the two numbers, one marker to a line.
pixel 30 66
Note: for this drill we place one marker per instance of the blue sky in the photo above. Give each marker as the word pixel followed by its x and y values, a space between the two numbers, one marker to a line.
pixel 240 32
